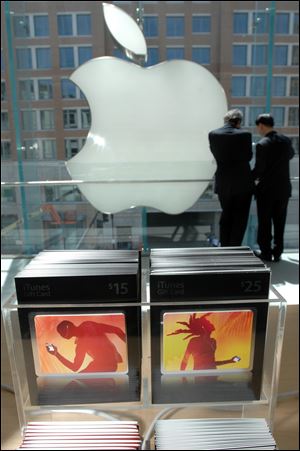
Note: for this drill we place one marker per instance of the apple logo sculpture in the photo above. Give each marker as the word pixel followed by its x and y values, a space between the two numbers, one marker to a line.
pixel 148 142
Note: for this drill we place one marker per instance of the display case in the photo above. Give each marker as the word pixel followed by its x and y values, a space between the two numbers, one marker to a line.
pixel 147 379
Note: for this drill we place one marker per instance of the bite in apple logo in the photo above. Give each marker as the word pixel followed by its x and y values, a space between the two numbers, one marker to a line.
pixel 148 141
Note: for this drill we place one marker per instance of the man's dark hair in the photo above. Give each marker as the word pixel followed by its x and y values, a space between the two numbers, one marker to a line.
pixel 265 119
pixel 233 117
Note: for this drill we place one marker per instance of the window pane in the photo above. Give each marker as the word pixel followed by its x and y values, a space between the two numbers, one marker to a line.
pixel 282 23
pixel 260 23
pixel 150 26
pixel 64 25
pixel 70 118
pixel 84 27
pixel 280 55
pixel 153 57
pixel 175 53
pixel 49 149
pixel 295 55
pixel 201 24
pixel 24 58
pixel 4 120
pixel 26 90
pixel 278 114
pixel 201 55
pixel 43 58
pixel 238 87
pixel 279 86
pixel 33 150
pixel 259 55
pixel 29 120
pixel 240 23
pixel 5 150
pixel 3 90
pixel 258 86
pixel 66 57
pixel 296 24
pixel 85 118
pixel 84 54
pixel 68 89
pixel 254 111
pixel 41 26
pixel 239 55
pixel 175 26
pixel 293 116
pixel 294 87
pixel 21 26
pixel 45 88
pixel 71 147
pixel 47 120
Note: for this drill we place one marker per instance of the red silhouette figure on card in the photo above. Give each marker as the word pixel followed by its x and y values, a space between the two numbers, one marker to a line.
pixel 91 339
pixel 201 347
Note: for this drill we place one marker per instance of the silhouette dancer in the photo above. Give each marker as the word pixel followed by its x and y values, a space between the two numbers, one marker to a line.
pixel 91 339
pixel 201 347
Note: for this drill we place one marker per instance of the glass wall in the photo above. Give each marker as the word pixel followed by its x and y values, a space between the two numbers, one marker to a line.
pixel 251 48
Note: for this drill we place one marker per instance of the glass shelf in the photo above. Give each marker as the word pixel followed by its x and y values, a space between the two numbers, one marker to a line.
pixel 32 404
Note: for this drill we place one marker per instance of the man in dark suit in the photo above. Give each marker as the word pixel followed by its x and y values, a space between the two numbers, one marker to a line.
pixel 232 149
pixel 273 186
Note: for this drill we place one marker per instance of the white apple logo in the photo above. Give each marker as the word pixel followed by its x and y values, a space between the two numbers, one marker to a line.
pixel 148 142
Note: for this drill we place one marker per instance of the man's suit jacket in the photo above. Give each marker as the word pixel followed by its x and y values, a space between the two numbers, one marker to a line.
pixel 232 149
pixel 272 167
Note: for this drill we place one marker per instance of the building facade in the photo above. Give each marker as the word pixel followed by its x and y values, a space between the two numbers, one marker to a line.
pixel 252 50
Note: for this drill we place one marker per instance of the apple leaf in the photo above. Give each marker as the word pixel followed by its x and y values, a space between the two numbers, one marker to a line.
pixel 125 32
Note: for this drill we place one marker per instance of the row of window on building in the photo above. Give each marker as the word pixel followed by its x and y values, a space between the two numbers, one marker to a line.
pixel 241 86
pixel 42 149
pixel 45 148
pixel 32 120
pixel 80 24
pixel 42 89
pixel 256 86
pixel 80 118
pixel 35 58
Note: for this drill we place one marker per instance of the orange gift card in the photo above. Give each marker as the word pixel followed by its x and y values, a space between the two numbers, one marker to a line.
pixel 207 341
pixel 85 344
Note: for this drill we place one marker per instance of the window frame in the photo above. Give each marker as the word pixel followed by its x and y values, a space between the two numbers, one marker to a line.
pixel 6 122
pixel 78 116
pixel 248 22
pixel 31 26
pixel 38 119
pixel 175 47
pixel 33 55
pixel 178 16
pixel 152 16
pixel 196 15
pixel 73 15
pixel 40 144
pixel 75 49
pixel 3 142
pixel 205 47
